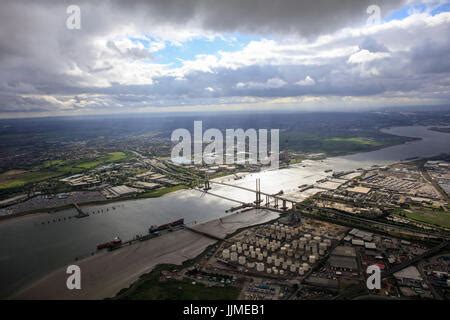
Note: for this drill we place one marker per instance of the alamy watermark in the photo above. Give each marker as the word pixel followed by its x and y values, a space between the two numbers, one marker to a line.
pixel 73 21
pixel 374 279
pixel 374 12
pixel 74 280
pixel 238 147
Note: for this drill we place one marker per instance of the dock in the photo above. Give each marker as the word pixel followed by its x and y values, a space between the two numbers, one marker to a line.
pixel 81 213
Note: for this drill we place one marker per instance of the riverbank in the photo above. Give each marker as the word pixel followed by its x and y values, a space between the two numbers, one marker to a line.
pixel 30 248
pixel 145 195
pixel 105 274
pixel 340 149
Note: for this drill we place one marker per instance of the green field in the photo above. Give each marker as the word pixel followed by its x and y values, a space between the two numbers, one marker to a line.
pixel 55 168
pixel 151 288
pixel 65 166
pixel 26 178
pixel 438 218
pixel 91 164
pixel 333 145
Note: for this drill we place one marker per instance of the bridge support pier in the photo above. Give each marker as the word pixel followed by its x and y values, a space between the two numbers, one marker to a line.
pixel 207 185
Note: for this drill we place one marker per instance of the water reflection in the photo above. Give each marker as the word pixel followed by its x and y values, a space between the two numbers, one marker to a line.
pixel 30 246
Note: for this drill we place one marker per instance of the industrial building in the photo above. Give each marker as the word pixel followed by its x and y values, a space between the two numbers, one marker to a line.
pixel 343 258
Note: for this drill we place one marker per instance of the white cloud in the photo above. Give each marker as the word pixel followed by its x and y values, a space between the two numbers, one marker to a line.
pixel 308 81
pixel 272 83
pixel 364 56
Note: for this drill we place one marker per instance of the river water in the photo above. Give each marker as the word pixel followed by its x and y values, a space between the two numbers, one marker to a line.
pixel 30 247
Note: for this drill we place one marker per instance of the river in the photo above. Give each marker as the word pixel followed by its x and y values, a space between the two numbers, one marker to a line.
pixel 30 247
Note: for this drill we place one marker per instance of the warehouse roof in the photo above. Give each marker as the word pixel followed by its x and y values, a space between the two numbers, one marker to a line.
pixel 343 262
pixel 345 251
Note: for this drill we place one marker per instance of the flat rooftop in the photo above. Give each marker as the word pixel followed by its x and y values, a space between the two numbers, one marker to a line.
pixel 362 190
pixel 344 251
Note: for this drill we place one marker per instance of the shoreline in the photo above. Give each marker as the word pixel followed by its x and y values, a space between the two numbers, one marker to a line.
pixel 107 274
pixel 136 197
pixel 188 245
pixel 57 209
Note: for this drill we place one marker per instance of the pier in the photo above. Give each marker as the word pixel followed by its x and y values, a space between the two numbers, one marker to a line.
pixel 81 213
pixel 206 234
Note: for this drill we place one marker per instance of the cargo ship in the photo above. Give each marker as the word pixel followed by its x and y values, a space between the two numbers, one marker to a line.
pixel 154 229
pixel 111 244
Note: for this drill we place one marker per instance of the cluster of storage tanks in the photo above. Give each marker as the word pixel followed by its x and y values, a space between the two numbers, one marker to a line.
pixel 279 250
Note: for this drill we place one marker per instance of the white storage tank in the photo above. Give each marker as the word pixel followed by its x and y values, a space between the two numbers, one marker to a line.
pixel 301 271
pixel 277 262
pixel 233 256
pixel 260 267
pixel 226 254
pixel 242 260
pixel 312 259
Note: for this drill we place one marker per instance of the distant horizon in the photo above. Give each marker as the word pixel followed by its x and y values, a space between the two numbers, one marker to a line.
pixel 435 108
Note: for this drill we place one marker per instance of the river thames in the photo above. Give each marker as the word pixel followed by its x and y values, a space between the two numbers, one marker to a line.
pixel 30 249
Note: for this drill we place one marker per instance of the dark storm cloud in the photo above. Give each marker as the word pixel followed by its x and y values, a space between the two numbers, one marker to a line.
pixel 266 16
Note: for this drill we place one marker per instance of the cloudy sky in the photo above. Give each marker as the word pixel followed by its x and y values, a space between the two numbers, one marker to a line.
pixel 194 55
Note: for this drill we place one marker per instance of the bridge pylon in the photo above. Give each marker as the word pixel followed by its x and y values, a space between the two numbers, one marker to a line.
pixel 207 185
pixel 258 200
